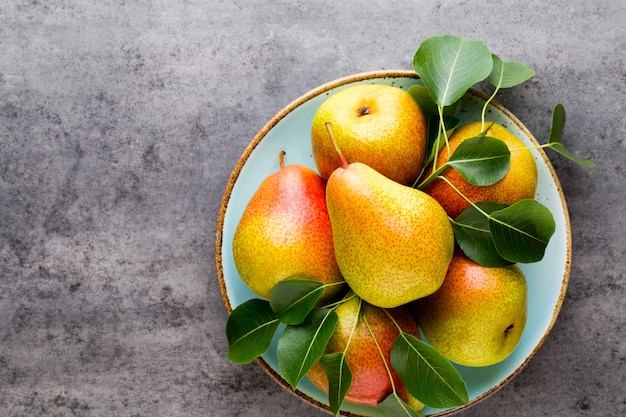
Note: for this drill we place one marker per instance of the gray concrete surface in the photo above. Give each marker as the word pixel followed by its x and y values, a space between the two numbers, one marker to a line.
pixel 120 122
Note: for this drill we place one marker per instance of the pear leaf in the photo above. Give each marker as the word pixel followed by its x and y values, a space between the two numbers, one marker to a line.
pixel 293 299
pixel 436 141
pixel 555 140
pixel 472 233
pixel 521 232
pixel 421 95
pixel 450 65
pixel 428 376
pixel 508 74
pixel 481 160
pixel 299 347
pixel 339 378
pixel 451 109
pixel 424 101
pixel 249 330
pixel 558 124
pixel 393 406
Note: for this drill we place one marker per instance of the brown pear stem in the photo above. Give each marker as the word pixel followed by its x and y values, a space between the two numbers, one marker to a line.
pixel 281 159
pixel 342 160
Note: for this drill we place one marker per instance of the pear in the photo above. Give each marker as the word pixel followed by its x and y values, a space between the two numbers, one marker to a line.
pixel 519 183
pixel 370 379
pixel 379 125
pixel 285 232
pixel 393 243
pixel 478 315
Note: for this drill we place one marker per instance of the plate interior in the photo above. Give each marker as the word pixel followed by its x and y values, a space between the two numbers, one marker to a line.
pixel 290 131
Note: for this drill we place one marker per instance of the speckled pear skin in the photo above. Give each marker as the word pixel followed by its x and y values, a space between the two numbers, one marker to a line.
pixel 518 184
pixel 285 232
pixel 478 315
pixel 370 380
pixel 391 137
pixel 393 243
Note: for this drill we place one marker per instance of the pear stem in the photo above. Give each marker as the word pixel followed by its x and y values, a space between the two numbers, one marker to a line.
pixel 342 160
pixel 281 159
pixel 432 177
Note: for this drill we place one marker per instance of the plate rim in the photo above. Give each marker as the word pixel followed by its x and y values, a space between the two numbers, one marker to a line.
pixel 321 89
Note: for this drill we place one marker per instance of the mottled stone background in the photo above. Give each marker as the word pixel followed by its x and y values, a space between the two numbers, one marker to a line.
pixel 120 122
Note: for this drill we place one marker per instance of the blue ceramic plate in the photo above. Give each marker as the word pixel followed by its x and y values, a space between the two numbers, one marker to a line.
pixel 289 131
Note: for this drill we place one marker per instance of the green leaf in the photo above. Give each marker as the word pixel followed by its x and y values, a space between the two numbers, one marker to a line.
pixel 249 330
pixel 434 133
pixel 450 111
pixel 431 112
pixel 555 140
pixel 481 160
pixel 558 124
pixel 293 299
pixel 339 378
pixel 393 406
pixel 428 376
pixel 472 234
pixel 299 347
pixel 521 232
pixel 435 138
pixel 508 74
pixel 422 98
pixel 450 65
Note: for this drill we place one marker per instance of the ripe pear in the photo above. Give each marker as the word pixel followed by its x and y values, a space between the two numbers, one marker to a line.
pixel 379 125
pixel 519 183
pixel 393 243
pixel 370 379
pixel 285 232
pixel 478 315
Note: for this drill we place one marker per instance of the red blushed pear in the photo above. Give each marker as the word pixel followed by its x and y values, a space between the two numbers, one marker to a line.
pixel 371 381
pixel 393 243
pixel 285 232
pixel 478 315
pixel 519 183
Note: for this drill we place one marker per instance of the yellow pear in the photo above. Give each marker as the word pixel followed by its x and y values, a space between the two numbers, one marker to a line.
pixel 393 243
pixel 519 183
pixel 478 315
pixel 285 232
pixel 379 125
